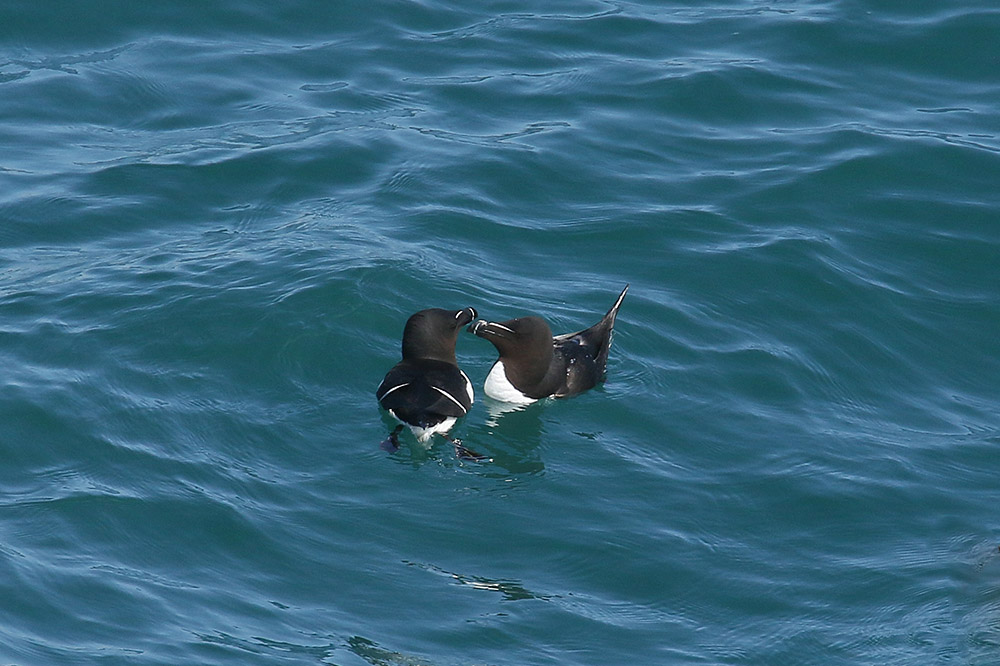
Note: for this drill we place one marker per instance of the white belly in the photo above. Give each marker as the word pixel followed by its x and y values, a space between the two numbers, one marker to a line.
pixel 424 434
pixel 498 387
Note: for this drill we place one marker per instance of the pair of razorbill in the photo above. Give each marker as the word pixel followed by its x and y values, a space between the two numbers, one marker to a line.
pixel 428 392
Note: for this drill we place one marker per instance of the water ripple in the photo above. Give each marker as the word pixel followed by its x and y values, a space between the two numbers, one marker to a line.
pixel 217 219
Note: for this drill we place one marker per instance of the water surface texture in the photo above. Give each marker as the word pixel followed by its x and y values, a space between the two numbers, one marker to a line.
pixel 215 219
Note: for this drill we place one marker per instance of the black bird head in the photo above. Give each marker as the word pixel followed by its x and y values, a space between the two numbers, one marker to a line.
pixel 526 339
pixel 432 333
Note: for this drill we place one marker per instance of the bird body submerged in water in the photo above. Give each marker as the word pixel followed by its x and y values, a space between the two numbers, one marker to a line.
pixel 534 364
pixel 426 390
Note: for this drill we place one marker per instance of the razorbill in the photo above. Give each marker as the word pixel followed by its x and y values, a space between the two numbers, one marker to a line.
pixel 533 364
pixel 426 390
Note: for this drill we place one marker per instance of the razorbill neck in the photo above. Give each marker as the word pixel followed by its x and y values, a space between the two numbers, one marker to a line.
pixel 426 390
pixel 533 364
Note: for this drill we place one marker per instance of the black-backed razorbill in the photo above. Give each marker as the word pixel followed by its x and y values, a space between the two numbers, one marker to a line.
pixel 533 364
pixel 426 390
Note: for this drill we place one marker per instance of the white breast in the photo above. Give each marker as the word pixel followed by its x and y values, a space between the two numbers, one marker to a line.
pixel 468 387
pixel 498 387
pixel 424 434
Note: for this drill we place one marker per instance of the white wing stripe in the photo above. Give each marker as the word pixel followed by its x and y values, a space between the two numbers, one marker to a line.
pixel 393 389
pixel 450 397
pixel 468 387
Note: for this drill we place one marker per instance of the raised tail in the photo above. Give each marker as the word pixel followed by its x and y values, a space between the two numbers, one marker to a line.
pixel 613 312
pixel 607 329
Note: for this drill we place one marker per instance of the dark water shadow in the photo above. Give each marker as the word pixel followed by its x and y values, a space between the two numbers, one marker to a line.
pixel 511 435
pixel 377 655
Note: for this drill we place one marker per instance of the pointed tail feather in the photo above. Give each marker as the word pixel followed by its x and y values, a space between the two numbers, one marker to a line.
pixel 609 322
pixel 613 312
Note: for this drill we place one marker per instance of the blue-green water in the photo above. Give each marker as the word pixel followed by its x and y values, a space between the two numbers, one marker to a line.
pixel 216 217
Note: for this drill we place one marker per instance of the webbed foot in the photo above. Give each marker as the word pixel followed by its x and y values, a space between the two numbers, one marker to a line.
pixel 465 453
pixel 391 443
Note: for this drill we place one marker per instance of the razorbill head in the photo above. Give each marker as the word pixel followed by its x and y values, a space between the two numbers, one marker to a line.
pixel 533 364
pixel 426 390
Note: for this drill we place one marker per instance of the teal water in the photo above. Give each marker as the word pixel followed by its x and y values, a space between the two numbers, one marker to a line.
pixel 216 217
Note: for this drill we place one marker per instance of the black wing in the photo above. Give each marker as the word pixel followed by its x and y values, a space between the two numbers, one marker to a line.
pixel 594 342
pixel 424 391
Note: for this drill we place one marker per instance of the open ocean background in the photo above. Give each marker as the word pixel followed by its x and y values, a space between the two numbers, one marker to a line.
pixel 215 219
